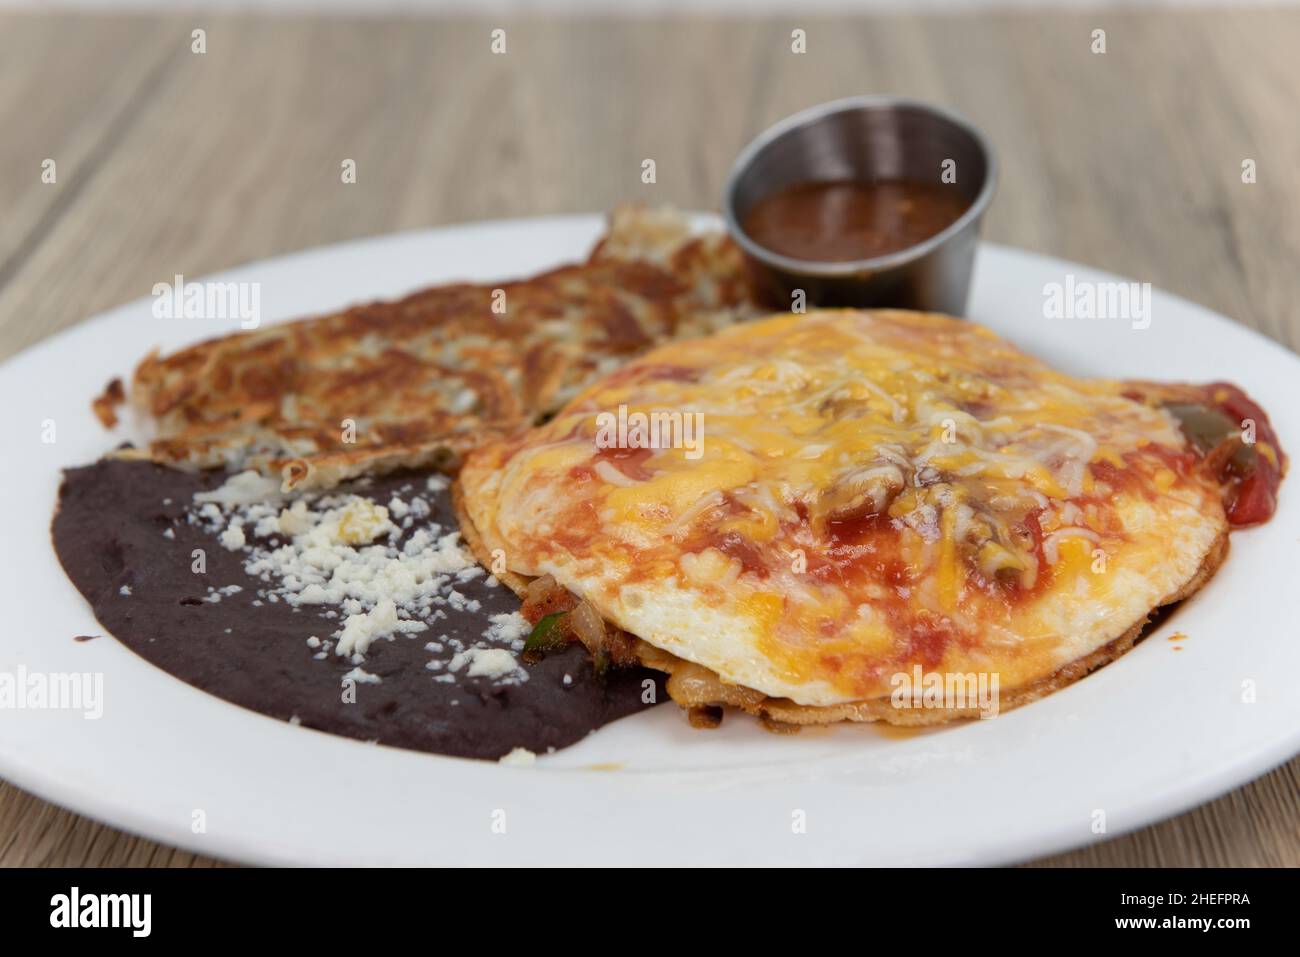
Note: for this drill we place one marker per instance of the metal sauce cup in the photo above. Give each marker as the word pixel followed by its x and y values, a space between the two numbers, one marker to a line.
pixel 867 138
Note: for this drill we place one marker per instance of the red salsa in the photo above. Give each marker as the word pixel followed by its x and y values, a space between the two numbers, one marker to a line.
pixel 847 220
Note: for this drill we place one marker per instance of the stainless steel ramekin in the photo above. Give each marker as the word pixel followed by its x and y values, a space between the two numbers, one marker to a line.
pixel 866 138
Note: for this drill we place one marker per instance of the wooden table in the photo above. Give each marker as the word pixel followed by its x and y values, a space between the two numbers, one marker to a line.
pixel 168 161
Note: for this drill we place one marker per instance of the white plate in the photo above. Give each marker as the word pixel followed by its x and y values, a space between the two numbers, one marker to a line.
pixel 1146 737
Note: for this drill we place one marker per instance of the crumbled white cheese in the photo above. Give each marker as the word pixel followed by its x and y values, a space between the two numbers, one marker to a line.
pixel 246 488
pixel 233 538
pixel 495 663
pixel 509 628
pixel 362 521
pixel 342 556
pixel 361 676
pixel 216 594
pixel 381 621
pixel 292 521
pixel 518 758
pixel 124 590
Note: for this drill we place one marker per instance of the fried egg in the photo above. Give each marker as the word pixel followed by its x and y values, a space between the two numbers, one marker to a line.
pixel 809 506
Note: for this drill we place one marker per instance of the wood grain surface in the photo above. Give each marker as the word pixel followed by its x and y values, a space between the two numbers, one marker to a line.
pixel 174 162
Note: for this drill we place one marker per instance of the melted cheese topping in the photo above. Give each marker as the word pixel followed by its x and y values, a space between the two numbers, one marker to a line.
pixel 873 491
